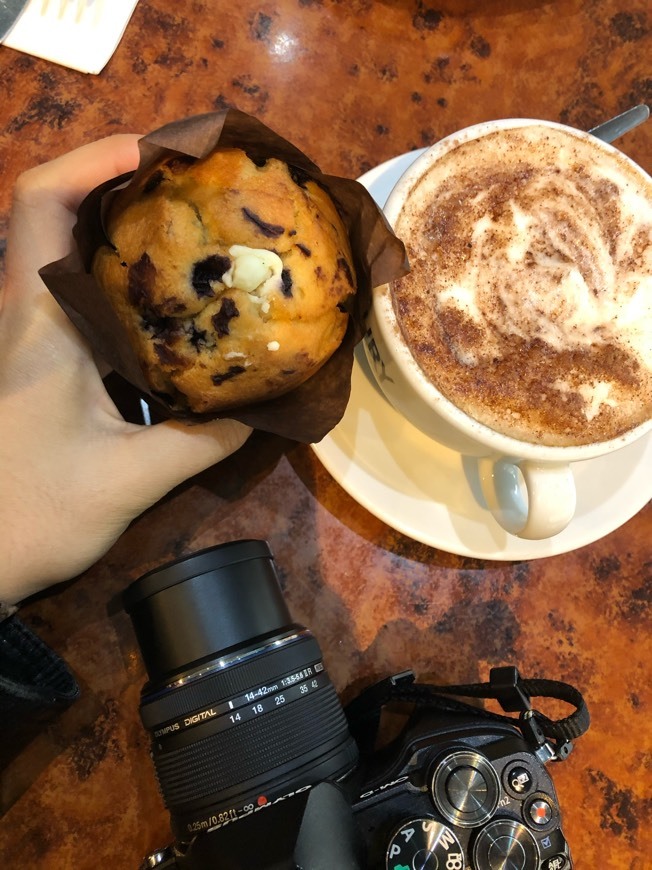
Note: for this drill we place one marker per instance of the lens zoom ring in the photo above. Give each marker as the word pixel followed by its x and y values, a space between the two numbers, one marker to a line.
pixel 239 678
pixel 232 757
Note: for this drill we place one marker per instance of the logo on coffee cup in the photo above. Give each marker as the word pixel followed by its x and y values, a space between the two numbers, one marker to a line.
pixel 375 356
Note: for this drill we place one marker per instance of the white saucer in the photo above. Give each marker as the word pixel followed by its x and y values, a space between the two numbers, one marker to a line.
pixel 430 493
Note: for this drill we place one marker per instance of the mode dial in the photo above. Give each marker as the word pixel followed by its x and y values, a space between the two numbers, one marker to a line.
pixel 424 844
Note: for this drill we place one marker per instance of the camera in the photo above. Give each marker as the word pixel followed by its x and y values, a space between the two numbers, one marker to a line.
pixel 261 767
pixel 459 791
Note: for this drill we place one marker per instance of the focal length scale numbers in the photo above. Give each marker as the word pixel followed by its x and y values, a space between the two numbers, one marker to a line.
pixel 255 702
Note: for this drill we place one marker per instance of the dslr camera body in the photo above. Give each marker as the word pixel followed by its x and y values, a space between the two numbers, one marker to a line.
pixel 457 790
pixel 262 769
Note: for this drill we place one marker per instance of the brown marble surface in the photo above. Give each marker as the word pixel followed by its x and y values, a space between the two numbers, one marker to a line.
pixel 352 83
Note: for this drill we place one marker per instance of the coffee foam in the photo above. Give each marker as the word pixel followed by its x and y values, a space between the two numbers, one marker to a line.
pixel 529 301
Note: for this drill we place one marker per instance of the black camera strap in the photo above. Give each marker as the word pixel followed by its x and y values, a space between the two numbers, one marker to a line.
pixel 505 685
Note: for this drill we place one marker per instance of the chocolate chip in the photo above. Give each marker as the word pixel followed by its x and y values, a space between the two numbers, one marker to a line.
pixel 267 229
pixel 174 305
pixel 163 328
pixel 140 281
pixel 153 181
pixel 228 310
pixel 344 266
pixel 198 338
pixel 258 161
pixel 305 250
pixel 167 356
pixel 207 271
pixel 286 282
pixel 219 379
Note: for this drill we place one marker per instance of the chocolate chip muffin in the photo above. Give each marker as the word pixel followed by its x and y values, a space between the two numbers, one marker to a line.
pixel 231 278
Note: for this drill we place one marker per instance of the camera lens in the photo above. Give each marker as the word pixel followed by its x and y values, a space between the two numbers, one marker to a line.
pixel 240 708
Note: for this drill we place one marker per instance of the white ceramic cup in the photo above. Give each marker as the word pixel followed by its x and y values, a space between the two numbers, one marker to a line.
pixel 529 488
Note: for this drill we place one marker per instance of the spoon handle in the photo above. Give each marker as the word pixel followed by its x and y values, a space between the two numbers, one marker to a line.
pixel 621 124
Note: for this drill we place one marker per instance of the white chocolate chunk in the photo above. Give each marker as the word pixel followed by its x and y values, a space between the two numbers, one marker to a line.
pixel 254 270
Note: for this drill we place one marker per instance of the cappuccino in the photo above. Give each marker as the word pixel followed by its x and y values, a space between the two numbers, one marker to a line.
pixel 529 299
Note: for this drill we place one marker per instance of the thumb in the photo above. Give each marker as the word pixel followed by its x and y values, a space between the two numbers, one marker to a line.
pixel 154 459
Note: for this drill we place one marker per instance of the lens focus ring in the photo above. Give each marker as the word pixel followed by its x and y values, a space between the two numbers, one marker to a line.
pixel 234 757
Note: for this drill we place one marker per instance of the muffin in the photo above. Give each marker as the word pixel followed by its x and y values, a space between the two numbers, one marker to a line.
pixel 231 277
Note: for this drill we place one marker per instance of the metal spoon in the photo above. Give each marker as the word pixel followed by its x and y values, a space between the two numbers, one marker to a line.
pixel 610 130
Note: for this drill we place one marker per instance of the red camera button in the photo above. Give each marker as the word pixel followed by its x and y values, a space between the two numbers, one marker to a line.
pixel 540 812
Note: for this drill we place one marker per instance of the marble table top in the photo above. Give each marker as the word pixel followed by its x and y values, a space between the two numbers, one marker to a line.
pixel 352 83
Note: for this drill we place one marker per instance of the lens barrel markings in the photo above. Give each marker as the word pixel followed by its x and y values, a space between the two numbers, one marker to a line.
pixel 231 713
pixel 219 680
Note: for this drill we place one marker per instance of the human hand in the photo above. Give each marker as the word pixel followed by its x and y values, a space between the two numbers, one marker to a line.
pixel 73 473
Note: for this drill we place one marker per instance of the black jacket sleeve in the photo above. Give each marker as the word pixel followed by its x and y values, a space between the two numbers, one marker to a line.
pixel 35 683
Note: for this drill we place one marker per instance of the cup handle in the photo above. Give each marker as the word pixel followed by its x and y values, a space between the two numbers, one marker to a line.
pixel 550 502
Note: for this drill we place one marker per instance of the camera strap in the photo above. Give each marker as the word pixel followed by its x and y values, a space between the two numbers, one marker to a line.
pixel 505 685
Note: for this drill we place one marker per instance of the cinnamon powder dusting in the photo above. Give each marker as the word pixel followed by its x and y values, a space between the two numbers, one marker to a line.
pixel 529 300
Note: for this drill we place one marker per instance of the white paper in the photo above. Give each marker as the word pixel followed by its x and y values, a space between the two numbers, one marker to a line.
pixel 79 34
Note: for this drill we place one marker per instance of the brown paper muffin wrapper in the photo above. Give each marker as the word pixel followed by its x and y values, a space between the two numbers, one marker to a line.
pixel 311 410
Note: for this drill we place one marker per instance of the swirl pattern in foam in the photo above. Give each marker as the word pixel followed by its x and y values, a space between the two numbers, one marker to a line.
pixel 529 300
